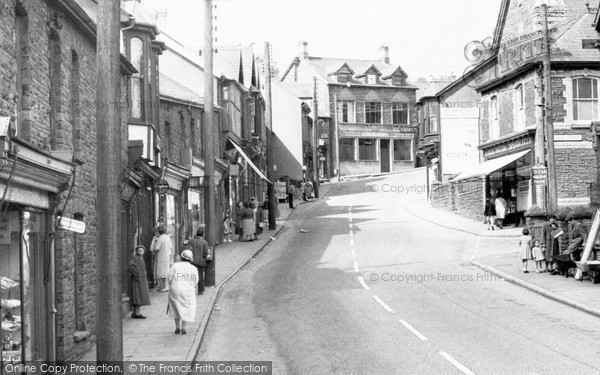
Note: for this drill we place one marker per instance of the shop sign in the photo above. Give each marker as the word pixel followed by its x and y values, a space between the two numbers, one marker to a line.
pixel 161 186
pixel 70 224
pixel 408 129
pixel 540 175
pixel 509 147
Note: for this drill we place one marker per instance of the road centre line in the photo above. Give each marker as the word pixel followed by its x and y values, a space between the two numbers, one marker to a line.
pixel 351 233
pixel 362 282
pixel 353 253
pixel 456 364
pixel 350 225
pixel 477 244
pixel 413 330
pixel 355 263
pixel 379 301
pixel 352 242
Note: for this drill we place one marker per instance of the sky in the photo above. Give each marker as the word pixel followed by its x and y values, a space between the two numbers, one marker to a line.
pixel 426 38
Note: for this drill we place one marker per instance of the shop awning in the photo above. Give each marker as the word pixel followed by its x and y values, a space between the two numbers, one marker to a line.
pixel 247 158
pixel 489 166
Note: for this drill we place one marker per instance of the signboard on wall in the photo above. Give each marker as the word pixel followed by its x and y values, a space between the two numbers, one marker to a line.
pixel 540 175
pixel 524 195
pixel 459 145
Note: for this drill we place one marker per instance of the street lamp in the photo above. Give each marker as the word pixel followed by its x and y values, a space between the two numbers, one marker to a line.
pixel 304 173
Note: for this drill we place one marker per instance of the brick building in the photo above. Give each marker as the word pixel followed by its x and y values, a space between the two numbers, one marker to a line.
pixel 365 119
pixel 48 167
pixel 512 101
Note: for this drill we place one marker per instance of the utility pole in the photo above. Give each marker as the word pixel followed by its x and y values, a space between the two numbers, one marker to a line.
pixel 109 314
pixel 269 122
pixel 549 121
pixel 209 144
pixel 315 137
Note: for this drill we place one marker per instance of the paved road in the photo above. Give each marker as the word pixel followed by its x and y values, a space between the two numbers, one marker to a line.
pixel 370 289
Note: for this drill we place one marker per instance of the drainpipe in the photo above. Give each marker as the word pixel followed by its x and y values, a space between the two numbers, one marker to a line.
pixel 52 299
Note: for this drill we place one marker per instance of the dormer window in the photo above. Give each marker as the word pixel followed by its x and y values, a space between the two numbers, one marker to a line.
pixel 343 77
pixel 371 79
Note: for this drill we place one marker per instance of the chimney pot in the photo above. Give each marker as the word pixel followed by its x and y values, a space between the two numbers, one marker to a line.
pixel 384 55
pixel 303 49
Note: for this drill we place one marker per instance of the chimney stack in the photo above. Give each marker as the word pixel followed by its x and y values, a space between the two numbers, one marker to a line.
pixel 384 55
pixel 303 50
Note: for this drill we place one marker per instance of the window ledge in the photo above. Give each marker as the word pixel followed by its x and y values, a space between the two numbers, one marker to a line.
pixel 581 125
pixel 81 335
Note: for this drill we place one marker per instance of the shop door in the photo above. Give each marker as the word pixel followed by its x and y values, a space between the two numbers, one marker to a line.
pixel 384 150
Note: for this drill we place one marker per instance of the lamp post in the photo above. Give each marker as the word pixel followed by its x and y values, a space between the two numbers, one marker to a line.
pixel 304 173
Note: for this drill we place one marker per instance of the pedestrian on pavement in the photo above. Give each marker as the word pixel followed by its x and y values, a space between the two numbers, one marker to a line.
pixel 161 248
pixel 490 213
pixel 199 249
pixel 500 205
pixel 548 242
pixel 538 255
pixel 257 210
pixel 265 215
pixel 309 190
pixel 138 282
pixel 290 194
pixel 239 220
pixel 227 229
pixel 303 190
pixel 248 222
pixel 525 247
pixel 183 280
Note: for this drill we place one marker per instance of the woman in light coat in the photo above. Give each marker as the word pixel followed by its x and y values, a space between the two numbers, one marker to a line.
pixel 161 247
pixel 500 204
pixel 183 281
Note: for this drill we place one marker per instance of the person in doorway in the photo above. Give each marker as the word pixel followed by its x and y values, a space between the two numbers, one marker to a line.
pixel 138 281
pixel 490 213
pixel 161 248
pixel 183 280
pixel 500 205
pixel 290 194
pixel 525 247
pixel 548 242
pixel 199 249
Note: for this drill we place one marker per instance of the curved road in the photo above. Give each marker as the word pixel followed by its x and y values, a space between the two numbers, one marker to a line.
pixel 371 289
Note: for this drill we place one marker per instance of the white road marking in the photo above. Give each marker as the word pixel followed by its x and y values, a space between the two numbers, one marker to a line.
pixel 456 364
pixel 350 218
pixel 351 233
pixel 379 301
pixel 413 330
pixel 352 242
pixel 350 225
pixel 362 282
pixel 355 263
pixel 353 253
pixel 476 247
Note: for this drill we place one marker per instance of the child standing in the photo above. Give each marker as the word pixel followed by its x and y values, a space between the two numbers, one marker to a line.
pixel 525 246
pixel 538 255
pixel 227 229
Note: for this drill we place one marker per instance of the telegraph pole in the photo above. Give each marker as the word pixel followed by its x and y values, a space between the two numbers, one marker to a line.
pixel 109 318
pixel 269 122
pixel 549 121
pixel 209 144
pixel 315 137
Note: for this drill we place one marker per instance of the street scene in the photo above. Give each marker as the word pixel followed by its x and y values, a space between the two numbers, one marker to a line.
pixel 316 187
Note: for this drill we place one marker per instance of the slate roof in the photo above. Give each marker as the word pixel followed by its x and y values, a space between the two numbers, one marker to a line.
pixel 568 47
pixel 171 89
pixel 227 63
pixel 432 88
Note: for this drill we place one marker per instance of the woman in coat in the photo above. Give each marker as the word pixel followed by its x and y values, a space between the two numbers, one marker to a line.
pixel 248 222
pixel 500 205
pixel 183 281
pixel 490 213
pixel 161 247
pixel 138 281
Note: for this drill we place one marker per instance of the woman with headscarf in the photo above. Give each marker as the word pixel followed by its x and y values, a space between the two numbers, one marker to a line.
pixel 161 247
pixel 138 282
pixel 248 222
pixel 183 281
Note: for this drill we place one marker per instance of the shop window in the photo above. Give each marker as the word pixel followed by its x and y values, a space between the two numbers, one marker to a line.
pixel 346 149
pixel 373 112
pixel 346 112
pixel 22 279
pixel 402 150
pixel 195 211
pixel 367 149
pixel 172 223
pixel 399 113
pixel 585 99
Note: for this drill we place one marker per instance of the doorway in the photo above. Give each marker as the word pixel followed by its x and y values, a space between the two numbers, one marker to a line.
pixel 384 150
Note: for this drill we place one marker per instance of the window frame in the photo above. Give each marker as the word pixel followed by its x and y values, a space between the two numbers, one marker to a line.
pixel 399 111
pixel 410 149
pixel 373 153
pixel 373 113
pixel 576 99
pixel 350 143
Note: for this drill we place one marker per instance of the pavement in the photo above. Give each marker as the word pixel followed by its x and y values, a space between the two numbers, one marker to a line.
pixel 153 338
pixel 503 260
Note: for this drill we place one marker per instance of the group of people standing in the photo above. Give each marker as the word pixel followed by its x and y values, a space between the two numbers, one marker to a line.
pixel 182 280
pixel 495 211
pixel 252 218
pixel 542 246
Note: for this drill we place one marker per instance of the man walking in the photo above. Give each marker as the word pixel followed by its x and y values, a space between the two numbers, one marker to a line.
pixel 200 251
pixel 290 194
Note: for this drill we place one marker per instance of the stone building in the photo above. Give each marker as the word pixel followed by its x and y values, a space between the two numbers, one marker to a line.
pixel 512 109
pixel 365 120
pixel 48 168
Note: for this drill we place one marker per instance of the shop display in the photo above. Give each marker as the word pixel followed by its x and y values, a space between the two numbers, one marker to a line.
pixel 11 323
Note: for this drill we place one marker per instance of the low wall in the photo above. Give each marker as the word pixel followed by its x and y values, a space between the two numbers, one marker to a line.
pixel 463 198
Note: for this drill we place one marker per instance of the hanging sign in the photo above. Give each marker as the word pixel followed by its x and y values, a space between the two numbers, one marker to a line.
pixel 161 186
pixel 540 174
pixel 70 224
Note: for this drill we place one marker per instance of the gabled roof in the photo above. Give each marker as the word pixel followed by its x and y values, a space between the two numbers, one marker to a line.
pixel 170 89
pixel 236 62
pixel 398 70
pixel 372 67
pixel 431 89
pixel 345 65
